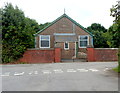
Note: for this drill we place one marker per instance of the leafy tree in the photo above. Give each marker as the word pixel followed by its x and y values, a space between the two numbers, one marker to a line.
pixel 115 12
pixel 99 32
pixel 0 35
pixel 97 27
pixel 17 33
pixel 44 25
pixel 115 29
pixel 33 24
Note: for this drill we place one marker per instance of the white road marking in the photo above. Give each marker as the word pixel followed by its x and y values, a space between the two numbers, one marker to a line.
pixel 94 70
pixel 58 71
pixel 6 74
pixel 82 70
pixel 18 74
pixel 46 72
pixel 106 69
pixel 71 70
pixel 36 72
pixel 31 72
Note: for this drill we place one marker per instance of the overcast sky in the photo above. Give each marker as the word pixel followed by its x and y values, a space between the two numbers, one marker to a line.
pixel 85 12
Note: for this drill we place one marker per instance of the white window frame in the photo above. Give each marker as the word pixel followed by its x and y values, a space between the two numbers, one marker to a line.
pixel 40 41
pixel 79 40
pixel 68 46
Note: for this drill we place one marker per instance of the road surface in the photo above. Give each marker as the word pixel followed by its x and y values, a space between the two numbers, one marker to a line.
pixel 74 76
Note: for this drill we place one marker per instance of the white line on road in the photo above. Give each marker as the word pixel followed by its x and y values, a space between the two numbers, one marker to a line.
pixel 106 69
pixel 46 72
pixel 30 73
pixel 71 70
pixel 6 74
pixel 36 72
pixel 93 70
pixel 82 70
pixel 58 71
pixel 18 74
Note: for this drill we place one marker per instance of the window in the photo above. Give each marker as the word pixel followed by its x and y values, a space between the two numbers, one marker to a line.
pixel 44 41
pixel 83 41
pixel 66 45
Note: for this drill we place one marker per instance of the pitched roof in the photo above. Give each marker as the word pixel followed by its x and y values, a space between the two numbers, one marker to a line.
pixel 64 15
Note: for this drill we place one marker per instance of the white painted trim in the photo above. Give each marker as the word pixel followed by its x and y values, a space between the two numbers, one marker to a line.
pixel 88 40
pixel 91 40
pixel 40 41
pixel 79 41
pixel 64 46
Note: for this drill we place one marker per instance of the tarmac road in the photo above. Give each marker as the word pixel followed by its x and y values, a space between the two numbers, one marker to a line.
pixel 78 76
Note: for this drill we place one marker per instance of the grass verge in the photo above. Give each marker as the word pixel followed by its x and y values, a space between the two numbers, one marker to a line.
pixel 116 69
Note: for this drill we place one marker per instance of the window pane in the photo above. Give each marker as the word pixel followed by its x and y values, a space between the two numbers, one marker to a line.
pixel 83 37
pixel 83 43
pixel 44 43
pixel 44 37
pixel 66 45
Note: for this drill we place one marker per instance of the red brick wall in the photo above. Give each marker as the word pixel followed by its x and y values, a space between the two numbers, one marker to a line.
pixel 41 56
pixel 90 54
pixel 102 54
pixel 57 55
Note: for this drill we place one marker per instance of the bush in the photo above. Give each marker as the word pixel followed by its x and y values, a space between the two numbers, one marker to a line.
pixel 17 33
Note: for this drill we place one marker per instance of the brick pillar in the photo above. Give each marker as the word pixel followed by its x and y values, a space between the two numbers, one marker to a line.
pixel 57 55
pixel 90 54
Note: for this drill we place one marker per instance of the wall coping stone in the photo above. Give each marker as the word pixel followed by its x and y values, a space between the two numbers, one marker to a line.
pixel 106 48
pixel 40 49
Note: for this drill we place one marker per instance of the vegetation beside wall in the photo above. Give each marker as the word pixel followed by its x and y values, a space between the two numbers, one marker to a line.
pixel 115 32
pixel 100 35
pixel 17 33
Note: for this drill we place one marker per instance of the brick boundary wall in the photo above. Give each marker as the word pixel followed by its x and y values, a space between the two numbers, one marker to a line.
pixel 102 54
pixel 41 56
pixel 57 55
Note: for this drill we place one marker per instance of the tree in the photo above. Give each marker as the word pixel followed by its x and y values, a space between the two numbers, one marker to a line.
pixel 115 31
pixel 115 12
pixel 0 35
pixel 99 32
pixel 17 33
pixel 97 26
pixel 44 25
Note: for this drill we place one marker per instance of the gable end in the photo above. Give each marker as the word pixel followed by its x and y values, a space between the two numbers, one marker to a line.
pixel 64 15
